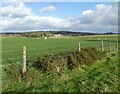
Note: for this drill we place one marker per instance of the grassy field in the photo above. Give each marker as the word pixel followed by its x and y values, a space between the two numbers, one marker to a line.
pixel 101 76
pixel 12 46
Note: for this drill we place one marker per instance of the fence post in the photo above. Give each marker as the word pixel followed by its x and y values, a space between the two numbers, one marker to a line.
pixel 110 46
pixel 24 60
pixel 117 45
pixel 79 47
pixel 58 69
pixel 102 46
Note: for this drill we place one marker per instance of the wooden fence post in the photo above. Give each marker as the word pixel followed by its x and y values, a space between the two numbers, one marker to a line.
pixel 117 45
pixel 24 60
pixel 110 46
pixel 58 69
pixel 102 46
pixel 79 47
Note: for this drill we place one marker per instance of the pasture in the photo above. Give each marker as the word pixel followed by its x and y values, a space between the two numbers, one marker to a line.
pixel 102 76
pixel 12 46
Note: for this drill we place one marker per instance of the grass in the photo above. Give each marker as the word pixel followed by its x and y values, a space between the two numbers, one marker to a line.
pixel 101 76
pixel 12 46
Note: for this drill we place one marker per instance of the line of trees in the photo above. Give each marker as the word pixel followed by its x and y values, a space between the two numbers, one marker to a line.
pixel 52 33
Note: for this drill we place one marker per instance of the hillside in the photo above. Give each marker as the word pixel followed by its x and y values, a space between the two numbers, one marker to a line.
pixel 101 76
pixel 51 33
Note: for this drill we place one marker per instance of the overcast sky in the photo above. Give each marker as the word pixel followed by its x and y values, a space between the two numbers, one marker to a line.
pixel 74 16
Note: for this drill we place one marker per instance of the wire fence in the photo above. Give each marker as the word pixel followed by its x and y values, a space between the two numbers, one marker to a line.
pixel 37 48
pixel 16 55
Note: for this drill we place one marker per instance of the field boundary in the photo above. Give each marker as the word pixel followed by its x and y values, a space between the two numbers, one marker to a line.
pixel 101 47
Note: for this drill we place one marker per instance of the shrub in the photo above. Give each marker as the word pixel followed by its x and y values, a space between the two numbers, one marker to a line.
pixel 70 60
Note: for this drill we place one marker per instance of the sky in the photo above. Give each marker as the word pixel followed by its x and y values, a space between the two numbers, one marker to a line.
pixel 96 17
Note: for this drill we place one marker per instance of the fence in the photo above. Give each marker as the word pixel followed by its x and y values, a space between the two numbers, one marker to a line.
pixel 26 53
pixel 102 45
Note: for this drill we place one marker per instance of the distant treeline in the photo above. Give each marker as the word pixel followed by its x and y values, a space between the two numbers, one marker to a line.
pixel 52 33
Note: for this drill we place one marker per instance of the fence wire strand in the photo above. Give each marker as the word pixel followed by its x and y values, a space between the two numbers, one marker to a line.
pixel 106 46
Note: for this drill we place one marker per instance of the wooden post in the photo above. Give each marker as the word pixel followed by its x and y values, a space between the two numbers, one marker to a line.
pixel 117 46
pixel 24 60
pixel 58 69
pixel 102 46
pixel 110 46
pixel 79 47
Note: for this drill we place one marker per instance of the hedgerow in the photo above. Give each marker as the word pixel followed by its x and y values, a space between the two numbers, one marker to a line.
pixel 70 60
pixel 101 76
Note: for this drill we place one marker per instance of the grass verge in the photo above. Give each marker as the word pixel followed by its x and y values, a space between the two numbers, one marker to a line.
pixel 101 76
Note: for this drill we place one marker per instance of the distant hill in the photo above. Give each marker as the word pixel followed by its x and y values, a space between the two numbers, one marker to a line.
pixel 69 33
pixel 52 33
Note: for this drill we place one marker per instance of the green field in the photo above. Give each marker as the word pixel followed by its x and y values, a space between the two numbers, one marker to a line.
pixel 12 46
pixel 101 76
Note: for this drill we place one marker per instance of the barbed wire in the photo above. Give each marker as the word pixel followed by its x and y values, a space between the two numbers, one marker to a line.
pixel 48 47
pixel 39 53
pixel 37 48
pixel 52 51
pixel 5 65
pixel 36 53
pixel 10 58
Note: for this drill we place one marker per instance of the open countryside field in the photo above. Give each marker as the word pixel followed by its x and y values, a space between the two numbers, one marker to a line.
pixel 101 75
pixel 12 46
pixel 52 47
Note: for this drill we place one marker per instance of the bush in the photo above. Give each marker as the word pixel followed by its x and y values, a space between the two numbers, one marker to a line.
pixel 13 71
pixel 70 60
